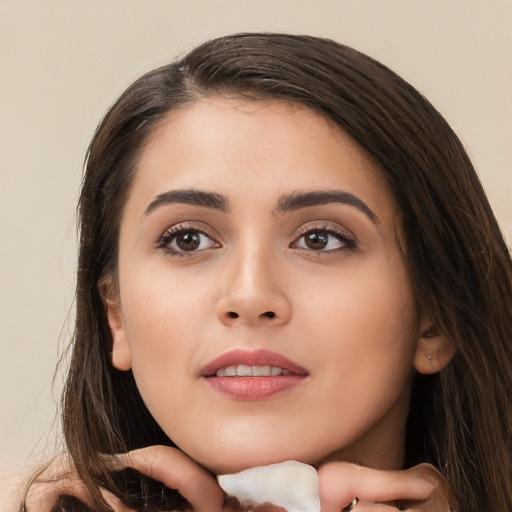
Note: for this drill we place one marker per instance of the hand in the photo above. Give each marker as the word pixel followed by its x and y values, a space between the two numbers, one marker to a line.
pixel 177 471
pixel 167 465
pixel 53 480
pixel 419 489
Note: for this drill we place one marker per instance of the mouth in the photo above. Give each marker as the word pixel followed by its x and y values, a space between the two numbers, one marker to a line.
pixel 252 375
pixel 243 370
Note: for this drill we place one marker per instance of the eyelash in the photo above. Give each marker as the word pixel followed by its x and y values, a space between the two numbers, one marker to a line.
pixel 165 241
pixel 348 242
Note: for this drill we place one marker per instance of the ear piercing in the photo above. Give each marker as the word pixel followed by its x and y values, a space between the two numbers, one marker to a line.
pixel 431 332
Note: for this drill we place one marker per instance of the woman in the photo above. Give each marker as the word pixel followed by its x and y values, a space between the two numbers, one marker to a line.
pixel 285 253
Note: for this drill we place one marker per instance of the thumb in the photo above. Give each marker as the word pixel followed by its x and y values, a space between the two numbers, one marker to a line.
pixel 177 471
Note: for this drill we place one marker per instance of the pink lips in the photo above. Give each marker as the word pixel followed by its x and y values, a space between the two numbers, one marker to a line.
pixel 248 387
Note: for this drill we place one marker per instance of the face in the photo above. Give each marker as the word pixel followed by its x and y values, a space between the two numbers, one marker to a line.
pixel 263 303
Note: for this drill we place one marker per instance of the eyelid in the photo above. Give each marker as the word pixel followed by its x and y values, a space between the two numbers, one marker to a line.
pixel 334 229
pixel 324 225
pixel 182 227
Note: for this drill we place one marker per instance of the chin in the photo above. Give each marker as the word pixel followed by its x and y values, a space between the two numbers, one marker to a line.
pixel 240 463
pixel 234 460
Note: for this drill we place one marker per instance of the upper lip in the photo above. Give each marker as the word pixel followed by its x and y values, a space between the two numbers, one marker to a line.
pixel 260 357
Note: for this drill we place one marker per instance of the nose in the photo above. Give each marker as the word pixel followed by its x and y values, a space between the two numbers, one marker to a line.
pixel 253 294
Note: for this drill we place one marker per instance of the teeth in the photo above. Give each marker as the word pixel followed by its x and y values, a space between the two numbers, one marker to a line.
pixel 262 371
pixel 243 370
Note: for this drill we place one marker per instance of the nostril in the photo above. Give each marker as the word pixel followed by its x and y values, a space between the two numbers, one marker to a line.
pixel 232 314
pixel 269 314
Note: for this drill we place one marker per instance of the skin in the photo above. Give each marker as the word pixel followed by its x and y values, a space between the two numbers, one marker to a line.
pixel 419 489
pixel 346 314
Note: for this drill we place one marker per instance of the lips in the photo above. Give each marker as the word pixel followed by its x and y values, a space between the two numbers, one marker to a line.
pixel 252 375
pixel 258 358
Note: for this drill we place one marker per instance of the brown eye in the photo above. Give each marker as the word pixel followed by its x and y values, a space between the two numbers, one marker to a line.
pixel 188 241
pixel 316 240
pixel 185 240
pixel 323 240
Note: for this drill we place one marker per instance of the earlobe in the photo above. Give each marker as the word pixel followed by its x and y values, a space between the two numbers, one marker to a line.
pixel 121 354
pixel 433 352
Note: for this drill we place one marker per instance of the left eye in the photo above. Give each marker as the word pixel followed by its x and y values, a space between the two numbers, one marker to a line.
pixel 186 240
pixel 321 240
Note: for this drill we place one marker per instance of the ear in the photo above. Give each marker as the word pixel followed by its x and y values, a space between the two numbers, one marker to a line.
pixel 121 354
pixel 434 350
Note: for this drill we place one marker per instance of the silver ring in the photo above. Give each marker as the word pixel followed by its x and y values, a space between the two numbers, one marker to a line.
pixel 352 505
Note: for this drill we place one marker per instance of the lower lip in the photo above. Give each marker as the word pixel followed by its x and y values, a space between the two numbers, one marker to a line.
pixel 254 388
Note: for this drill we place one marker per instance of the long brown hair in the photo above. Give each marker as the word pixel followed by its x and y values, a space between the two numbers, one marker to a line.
pixel 460 267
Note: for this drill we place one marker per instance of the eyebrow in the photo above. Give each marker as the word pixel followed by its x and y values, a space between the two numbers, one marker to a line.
pixel 285 203
pixel 192 197
pixel 299 200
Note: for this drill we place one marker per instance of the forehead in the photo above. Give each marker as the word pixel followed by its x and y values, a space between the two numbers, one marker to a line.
pixel 231 145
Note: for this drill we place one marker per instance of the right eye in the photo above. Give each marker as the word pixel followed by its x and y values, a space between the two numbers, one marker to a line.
pixel 181 241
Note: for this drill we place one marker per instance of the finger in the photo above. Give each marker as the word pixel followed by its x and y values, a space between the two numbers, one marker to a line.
pixel 440 498
pixel 339 482
pixel 366 506
pixel 177 471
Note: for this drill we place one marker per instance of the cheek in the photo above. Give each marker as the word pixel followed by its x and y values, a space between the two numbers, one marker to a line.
pixel 366 324
pixel 163 315
pixel 158 299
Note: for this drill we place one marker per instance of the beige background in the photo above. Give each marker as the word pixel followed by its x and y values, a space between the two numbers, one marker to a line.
pixel 63 62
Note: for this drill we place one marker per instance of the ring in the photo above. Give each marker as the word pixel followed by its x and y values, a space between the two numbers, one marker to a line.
pixel 352 505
